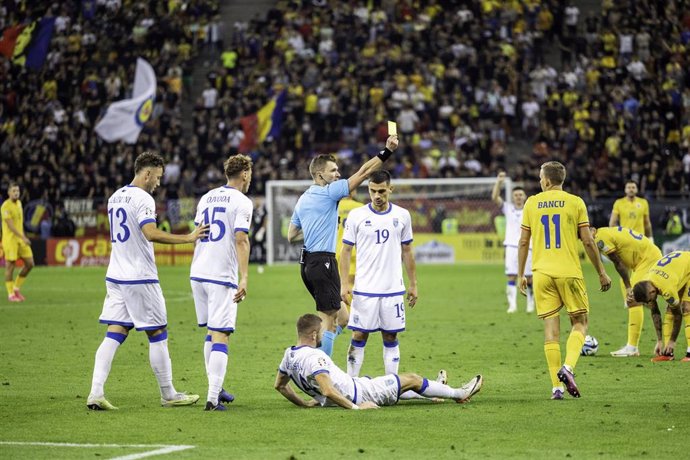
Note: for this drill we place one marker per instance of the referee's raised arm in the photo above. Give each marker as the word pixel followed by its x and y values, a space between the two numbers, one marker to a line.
pixel 373 164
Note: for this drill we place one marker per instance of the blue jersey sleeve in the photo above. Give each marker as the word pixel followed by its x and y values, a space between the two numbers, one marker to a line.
pixel 294 220
pixel 338 190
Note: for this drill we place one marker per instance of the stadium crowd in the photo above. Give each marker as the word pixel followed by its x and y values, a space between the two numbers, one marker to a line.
pixel 618 109
pixel 462 79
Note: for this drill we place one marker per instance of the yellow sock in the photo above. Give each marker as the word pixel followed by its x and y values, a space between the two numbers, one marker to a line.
pixel 19 281
pixel 667 327
pixel 573 348
pixel 552 350
pixel 686 318
pixel 635 322
pixel 10 287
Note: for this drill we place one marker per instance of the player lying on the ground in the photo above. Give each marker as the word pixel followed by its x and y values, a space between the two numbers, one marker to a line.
pixel 314 373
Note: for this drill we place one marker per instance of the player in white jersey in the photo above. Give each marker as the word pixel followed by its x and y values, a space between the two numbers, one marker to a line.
pixel 382 233
pixel 134 298
pixel 513 215
pixel 315 374
pixel 214 273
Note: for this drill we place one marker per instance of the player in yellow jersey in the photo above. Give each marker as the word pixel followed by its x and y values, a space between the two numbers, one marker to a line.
pixel 15 244
pixel 632 255
pixel 553 220
pixel 631 212
pixel 670 279
pixel 344 207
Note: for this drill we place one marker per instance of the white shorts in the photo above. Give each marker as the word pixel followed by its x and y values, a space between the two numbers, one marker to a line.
pixel 512 261
pixel 371 314
pixel 141 306
pixel 215 307
pixel 384 391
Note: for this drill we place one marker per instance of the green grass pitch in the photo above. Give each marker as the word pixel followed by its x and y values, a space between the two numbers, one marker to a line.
pixel 630 408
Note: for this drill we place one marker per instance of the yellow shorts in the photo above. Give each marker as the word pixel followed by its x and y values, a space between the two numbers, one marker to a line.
pixel 552 294
pixel 16 249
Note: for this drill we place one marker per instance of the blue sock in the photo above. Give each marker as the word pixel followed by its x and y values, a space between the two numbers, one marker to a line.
pixel 327 342
pixel 338 331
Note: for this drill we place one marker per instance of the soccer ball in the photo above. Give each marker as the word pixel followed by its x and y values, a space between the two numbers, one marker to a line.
pixel 590 346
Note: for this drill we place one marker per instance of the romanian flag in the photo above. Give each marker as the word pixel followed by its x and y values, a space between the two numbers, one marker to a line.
pixel 27 45
pixel 263 124
pixel 9 40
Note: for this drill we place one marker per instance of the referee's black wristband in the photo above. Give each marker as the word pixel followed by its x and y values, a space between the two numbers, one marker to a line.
pixel 385 154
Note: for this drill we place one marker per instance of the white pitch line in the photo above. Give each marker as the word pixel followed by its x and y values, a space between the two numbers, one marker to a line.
pixel 161 449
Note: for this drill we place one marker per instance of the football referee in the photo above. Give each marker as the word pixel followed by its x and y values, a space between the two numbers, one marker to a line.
pixel 315 221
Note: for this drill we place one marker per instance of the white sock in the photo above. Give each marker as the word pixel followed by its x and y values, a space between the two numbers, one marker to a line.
pixel 159 357
pixel 207 351
pixel 104 360
pixel 511 295
pixel 530 299
pixel 355 357
pixel 391 357
pixel 409 394
pixel 439 390
pixel 217 366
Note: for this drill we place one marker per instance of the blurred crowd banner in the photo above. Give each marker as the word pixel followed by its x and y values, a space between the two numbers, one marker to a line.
pixel 87 251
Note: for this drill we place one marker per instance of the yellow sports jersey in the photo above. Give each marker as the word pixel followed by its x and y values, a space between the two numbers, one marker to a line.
pixel 554 218
pixel 634 249
pixel 671 275
pixel 12 210
pixel 344 207
pixel 631 213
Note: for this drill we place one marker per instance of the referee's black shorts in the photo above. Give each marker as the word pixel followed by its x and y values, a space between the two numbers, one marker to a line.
pixel 319 272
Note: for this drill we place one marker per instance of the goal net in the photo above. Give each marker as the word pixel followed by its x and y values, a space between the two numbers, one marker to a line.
pixel 453 220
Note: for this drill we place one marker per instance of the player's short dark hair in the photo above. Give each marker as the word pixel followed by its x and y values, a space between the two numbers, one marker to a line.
pixel 319 163
pixel 630 181
pixel 640 292
pixel 12 184
pixel 554 172
pixel 308 323
pixel 518 189
pixel 148 159
pixel 380 177
pixel 236 164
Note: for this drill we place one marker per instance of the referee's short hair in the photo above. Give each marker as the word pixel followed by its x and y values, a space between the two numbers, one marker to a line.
pixel 319 163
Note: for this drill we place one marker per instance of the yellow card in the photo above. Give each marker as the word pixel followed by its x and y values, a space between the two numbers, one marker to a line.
pixel 392 128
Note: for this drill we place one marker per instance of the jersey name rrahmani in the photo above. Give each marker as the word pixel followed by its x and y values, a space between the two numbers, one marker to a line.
pixel 554 218
pixel 633 249
pixel 13 211
pixel 513 221
pixel 131 256
pixel 631 213
pixel 215 257
pixel 302 364
pixel 671 275
pixel 378 237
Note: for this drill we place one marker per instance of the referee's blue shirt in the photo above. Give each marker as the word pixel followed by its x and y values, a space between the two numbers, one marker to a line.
pixel 316 213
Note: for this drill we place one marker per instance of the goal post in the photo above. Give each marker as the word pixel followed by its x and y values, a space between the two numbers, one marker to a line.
pixel 454 220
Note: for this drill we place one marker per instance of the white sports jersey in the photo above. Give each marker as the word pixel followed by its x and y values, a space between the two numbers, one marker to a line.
pixel 215 257
pixel 302 364
pixel 131 257
pixel 378 237
pixel 513 221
